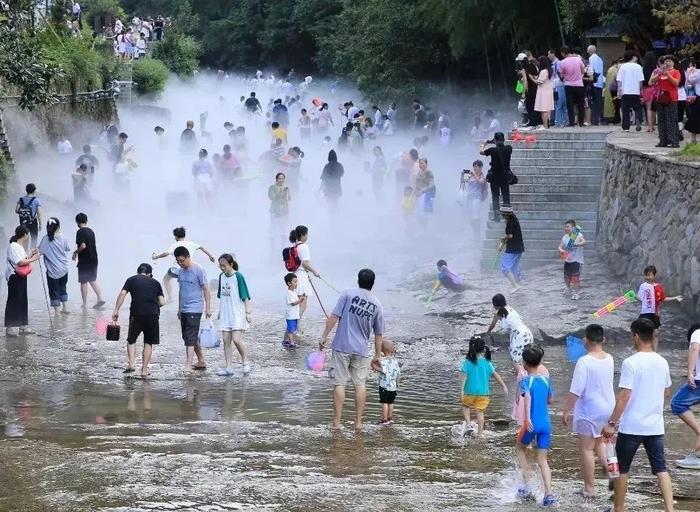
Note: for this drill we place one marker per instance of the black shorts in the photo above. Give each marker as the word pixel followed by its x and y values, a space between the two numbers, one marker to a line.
pixel 149 325
pixel 189 323
pixel 386 397
pixel 572 269
pixel 653 317
pixel 87 274
pixel 627 446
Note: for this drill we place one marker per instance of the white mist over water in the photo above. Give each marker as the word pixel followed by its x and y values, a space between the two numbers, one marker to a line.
pixel 362 231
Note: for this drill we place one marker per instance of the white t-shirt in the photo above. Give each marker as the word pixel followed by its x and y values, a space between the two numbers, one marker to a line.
pixel 630 75
pixel 64 147
pixel 593 384
pixel 304 255
pixel 513 322
pixel 647 295
pixel 576 252
pixel 15 254
pixel 192 247
pixel 76 8
pixel 647 375
pixel 695 338
pixel 292 309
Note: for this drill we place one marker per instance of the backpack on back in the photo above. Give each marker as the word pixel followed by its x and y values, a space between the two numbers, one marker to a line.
pixel 26 215
pixel 291 258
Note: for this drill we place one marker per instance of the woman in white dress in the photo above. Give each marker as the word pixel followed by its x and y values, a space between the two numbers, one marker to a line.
pixel 300 237
pixel 510 320
pixel 234 312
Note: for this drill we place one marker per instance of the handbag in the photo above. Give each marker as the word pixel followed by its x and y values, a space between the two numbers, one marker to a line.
pixel 208 337
pixel 23 270
pixel 112 333
pixel 663 98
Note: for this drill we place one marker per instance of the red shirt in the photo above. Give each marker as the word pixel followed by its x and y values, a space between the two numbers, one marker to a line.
pixel 666 85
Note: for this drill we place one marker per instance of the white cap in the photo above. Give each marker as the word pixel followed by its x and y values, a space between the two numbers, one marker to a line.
pixel 521 56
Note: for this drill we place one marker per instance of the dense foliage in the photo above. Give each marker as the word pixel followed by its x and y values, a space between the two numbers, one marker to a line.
pixel 23 69
pixel 388 47
pixel 150 75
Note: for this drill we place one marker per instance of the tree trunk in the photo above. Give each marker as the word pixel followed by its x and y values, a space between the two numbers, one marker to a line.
pixel 488 63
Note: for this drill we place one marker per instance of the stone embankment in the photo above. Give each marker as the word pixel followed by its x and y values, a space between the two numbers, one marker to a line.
pixel 649 214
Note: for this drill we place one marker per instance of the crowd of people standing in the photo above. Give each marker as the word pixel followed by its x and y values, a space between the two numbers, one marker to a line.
pixel 569 88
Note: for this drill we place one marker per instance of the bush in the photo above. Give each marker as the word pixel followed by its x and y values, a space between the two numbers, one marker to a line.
pixel 77 57
pixel 179 52
pixel 150 75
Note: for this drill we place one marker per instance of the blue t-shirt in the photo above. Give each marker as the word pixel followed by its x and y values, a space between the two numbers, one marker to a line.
pixel 191 281
pixel 360 313
pixel 540 389
pixel 33 205
pixel 478 376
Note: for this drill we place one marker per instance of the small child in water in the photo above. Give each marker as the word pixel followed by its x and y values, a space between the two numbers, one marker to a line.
pixel 477 370
pixel 448 279
pixel 293 301
pixel 388 382
pixel 536 390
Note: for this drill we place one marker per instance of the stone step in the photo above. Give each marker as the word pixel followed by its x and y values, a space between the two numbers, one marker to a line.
pixel 563 152
pixel 588 226
pixel 548 180
pixel 561 144
pixel 534 247
pixel 538 205
pixel 567 134
pixel 535 234
pixel 574 164
pixel 585 217
pixel 561 199
pixel 532 168
pixel 562 187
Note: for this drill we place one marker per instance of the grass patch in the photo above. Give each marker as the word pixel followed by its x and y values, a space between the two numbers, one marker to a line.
pixel 689 153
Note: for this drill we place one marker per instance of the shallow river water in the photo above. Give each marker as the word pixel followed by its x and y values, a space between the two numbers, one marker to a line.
pixel 78 435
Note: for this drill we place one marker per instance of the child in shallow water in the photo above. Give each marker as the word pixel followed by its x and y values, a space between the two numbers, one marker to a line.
pixel 448 279
pixel 477 370
pixel 388 382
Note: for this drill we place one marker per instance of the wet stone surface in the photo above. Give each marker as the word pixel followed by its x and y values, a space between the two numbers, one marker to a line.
pixel 78 435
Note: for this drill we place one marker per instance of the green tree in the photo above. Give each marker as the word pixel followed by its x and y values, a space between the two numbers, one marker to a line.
pixel 391 54
pixel 23 70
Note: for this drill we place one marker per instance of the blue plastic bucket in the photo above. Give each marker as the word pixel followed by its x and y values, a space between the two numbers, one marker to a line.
pixel 575 348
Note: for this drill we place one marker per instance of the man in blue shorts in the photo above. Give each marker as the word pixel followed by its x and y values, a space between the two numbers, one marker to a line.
pixel 536 390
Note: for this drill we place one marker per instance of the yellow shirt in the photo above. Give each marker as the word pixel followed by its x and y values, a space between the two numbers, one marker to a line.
pixel 409 204
pixel 280 133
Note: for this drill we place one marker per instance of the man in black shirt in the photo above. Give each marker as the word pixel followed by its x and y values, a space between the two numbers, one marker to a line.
pixel 498 175
pixel 514 248
pixel 188 139
pixel 146 300
pixel 252 104
pixel 86 254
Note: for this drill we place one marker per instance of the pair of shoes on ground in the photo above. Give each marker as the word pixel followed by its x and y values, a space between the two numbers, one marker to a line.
pixel 228 372
pixel 691 461
pixel 526 494
pixel 13 332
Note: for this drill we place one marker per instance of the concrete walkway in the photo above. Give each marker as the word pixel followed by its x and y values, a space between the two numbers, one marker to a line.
pixel 644 143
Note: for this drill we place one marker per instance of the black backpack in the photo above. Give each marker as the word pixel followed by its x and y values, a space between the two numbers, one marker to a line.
pixel 26 216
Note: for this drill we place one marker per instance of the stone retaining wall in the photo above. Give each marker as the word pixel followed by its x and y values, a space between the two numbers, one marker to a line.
pixel 649 214
pixel 79 117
